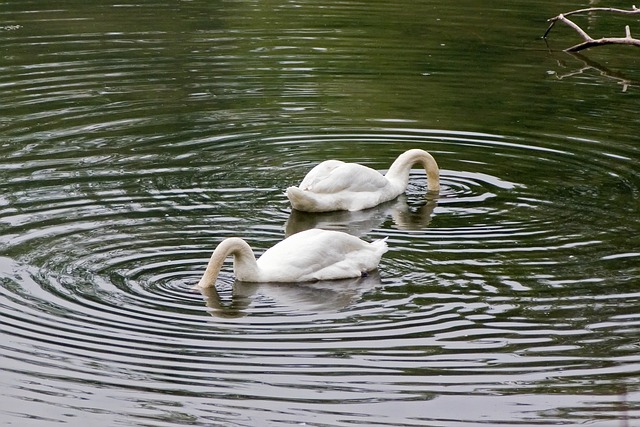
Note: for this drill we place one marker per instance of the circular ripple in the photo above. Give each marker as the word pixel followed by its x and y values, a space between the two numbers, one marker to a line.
pixel 101 267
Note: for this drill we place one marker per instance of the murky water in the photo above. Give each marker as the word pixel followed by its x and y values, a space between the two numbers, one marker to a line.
pixel 134 137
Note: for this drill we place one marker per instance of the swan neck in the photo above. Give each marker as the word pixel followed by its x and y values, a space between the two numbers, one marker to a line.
pixel 399 170
pixel 244 261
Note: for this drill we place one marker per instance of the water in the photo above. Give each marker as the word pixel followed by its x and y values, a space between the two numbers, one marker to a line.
pixel 136 136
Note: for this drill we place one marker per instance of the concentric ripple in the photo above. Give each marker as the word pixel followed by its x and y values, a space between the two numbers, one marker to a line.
pixel 473 297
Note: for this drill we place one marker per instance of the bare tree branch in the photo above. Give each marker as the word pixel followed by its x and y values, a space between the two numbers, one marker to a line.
pixel 605 9
pixel 588 40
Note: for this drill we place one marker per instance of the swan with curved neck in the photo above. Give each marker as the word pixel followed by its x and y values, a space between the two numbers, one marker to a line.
pixel 334 185
pixel 306 256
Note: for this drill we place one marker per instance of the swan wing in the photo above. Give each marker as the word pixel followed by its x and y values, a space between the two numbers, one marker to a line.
pixel 320 172
pixel 351 177
pixel 319 255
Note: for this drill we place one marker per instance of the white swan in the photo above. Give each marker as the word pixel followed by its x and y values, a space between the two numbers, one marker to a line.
pixel 334 185
pixel 306 256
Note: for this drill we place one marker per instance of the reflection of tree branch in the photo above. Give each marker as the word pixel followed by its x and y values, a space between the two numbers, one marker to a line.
pixel 601 69
pixel 588 40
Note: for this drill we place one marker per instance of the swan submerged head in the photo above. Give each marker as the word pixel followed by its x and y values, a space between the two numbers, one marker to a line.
pixel 244 262
pixel 400 168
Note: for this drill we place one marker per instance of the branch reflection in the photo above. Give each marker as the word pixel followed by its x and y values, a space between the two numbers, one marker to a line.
pixel 589 65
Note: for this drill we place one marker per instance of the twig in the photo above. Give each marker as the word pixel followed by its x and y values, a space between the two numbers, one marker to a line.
pixel 605 9
pixel 588 40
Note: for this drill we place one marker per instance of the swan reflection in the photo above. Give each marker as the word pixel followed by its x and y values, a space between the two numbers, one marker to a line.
pixel 322 296
pixel 359 223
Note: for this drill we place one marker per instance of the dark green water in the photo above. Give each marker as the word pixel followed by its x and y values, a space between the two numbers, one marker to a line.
pixel 135 136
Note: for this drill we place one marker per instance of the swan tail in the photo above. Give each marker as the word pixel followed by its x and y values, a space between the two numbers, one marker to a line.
pixel 377 248
pixel 380 245
pixel 300 200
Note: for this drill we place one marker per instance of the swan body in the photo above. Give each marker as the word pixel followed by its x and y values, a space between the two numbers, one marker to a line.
pixel 334 185
pixel 310 255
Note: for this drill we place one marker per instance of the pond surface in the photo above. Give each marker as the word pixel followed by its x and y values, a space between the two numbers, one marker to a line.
pixel 135 136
